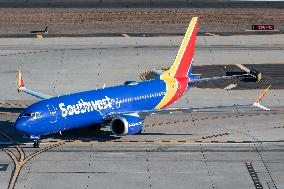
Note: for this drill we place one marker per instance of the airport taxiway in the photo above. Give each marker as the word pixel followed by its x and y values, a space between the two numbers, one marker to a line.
pixel 236 148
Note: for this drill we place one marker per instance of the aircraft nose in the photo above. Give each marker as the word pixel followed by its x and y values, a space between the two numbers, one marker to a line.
pixel 20 125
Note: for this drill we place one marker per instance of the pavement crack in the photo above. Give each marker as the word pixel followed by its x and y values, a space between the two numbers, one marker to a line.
pixel 206 165
pixel 266 167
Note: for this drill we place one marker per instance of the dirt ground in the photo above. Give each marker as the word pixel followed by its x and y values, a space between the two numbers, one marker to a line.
pixel 134 20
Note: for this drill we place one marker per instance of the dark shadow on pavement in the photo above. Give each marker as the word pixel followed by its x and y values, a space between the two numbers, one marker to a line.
pixel 84 134
pixel 11 110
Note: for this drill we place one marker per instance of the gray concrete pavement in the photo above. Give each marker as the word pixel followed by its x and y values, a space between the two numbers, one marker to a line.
pixel 154 166
pixel 204 149
pixel 62 65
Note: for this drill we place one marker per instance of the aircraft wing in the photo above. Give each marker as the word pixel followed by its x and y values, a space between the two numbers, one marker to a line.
pixel 191 109
pixel 22 88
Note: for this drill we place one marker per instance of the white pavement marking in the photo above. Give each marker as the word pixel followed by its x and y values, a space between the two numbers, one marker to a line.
pixel 231 86
pixel 211 34
pixel 243 67
pixel 115 153
pixel 125 35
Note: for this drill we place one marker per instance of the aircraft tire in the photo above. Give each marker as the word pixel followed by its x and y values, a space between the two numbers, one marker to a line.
pixel 36 143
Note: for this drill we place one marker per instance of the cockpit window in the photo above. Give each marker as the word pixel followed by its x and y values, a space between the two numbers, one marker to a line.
pixel 33 115
pixel 25 114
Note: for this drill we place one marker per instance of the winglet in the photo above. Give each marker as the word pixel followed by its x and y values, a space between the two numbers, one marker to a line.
pixel 257 102
pixel 21 84
pixel 262 94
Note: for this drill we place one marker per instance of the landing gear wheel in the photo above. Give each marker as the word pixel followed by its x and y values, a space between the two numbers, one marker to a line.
pixel 36 143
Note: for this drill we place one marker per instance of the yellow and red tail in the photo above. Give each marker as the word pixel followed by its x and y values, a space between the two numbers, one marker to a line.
pixel 21 83
pixel 177 77
pixel 182 64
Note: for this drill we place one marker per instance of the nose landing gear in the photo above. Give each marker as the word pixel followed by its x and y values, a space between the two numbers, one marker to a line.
pixel 36 144
pixel 36 140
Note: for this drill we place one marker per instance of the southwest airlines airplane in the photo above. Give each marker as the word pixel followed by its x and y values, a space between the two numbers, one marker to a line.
pixel 124 107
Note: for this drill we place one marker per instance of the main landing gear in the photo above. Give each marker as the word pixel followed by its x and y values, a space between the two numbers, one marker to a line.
pixel 36 143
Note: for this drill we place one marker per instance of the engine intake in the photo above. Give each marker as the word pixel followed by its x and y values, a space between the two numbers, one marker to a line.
pixel 126 125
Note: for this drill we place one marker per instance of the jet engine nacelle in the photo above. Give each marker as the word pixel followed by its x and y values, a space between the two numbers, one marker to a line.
pixel 126 125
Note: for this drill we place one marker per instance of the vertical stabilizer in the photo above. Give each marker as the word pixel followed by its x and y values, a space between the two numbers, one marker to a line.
pixel 184 58
pixel 179 74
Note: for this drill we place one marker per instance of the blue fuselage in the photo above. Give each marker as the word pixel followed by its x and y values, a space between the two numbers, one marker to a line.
pixel 90 107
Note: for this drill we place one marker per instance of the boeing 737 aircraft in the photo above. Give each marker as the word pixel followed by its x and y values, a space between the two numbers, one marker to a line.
pixel 124 106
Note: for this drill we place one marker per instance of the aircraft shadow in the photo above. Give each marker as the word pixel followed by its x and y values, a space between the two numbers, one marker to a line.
pixel 83 134
pixel 7 128
pixel 11 110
